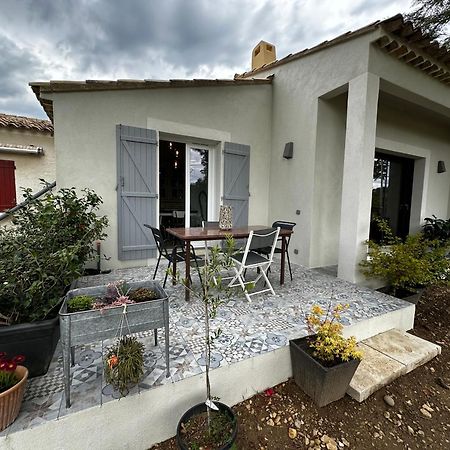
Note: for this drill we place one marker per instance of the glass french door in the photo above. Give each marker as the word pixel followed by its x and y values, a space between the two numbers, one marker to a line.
pixel 391 193
pixel 198 182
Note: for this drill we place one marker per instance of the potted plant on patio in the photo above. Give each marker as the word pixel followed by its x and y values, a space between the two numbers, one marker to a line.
pixel 324 363
pixel 210 424
pixel 124 364
pixel 13 379
pixel 43 251
pixel 94 314
pixel 407 266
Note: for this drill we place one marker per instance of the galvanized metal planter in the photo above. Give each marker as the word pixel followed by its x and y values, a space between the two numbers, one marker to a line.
pixel 84 327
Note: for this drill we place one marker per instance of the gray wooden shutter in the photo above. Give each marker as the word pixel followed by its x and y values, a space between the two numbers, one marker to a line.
pixel 236 181
pixel 136 191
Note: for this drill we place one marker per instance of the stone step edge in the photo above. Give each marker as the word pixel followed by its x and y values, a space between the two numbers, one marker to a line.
pixel 403 369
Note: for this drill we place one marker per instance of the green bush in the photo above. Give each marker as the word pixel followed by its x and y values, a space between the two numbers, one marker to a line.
pixel 436 229
pixel 407 265
pixel 45 250
pixel 80 303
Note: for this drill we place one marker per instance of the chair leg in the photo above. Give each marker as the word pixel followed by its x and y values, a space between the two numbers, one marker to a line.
pixel 157 265
pixel 289 264
pixel 267 281
pixel 167 273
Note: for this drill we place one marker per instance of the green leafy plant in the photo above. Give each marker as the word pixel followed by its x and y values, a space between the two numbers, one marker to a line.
pixel 45 250
pixel 8 377
pixel 327 344
pixel 142 295
pixel 80 303
pixel 124 363
pixel 436 229
pixel 407 265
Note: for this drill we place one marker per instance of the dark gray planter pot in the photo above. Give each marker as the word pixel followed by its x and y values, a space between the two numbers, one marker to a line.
pixel 323 384
pixel 35 340
pixel 85 327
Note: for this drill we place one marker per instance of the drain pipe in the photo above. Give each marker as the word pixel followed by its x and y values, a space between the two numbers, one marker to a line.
pixel 9 212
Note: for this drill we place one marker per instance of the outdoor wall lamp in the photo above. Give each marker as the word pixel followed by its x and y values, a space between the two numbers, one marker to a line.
pixel 441 167
pixel 288 150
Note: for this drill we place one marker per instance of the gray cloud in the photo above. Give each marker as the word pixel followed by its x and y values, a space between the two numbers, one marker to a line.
pixel 108 39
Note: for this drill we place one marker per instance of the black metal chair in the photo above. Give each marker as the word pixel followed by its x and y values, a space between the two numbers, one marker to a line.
pixel 173 252
pixel 286 226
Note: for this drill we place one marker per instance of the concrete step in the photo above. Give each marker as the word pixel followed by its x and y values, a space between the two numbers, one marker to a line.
pixel 387 356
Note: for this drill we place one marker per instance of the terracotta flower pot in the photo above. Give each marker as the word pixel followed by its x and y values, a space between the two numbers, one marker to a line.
pixel 11 400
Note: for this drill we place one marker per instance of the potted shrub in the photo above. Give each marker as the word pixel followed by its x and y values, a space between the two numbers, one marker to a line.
pixel 409 265
pixel 323 364
pixel 13 380
pixel 93 314
pixel 42 253
pixel 210 424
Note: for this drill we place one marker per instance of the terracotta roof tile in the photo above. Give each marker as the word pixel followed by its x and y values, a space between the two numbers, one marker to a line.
pixel 28 123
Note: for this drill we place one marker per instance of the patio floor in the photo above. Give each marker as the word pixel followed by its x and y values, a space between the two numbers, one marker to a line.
pixel 249 330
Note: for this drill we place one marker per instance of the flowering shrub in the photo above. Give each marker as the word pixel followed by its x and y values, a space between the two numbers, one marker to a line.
pixel 328 345
pixel 8 377
pixel 45 250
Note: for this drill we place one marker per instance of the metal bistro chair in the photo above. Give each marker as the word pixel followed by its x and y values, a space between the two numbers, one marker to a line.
pixel 170 251
pixel 284 225
pixel 250 259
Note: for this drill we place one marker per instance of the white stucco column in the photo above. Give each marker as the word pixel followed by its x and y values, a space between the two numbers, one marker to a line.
pixel 360 137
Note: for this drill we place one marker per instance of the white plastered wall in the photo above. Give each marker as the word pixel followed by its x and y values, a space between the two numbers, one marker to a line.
pixel 305 112
pixel 297 87
pixel 85 137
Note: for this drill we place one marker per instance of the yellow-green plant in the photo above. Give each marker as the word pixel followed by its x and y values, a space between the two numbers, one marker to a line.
pixel 406 265
pixel 328 345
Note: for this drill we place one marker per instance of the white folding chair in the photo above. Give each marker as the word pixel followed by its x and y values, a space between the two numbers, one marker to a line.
pixel 250 259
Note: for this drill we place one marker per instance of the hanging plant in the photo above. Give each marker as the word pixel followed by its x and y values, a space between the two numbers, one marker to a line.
pixel 124 364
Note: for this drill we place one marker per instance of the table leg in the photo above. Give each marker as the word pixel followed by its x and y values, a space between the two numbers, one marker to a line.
pixel 174 270
pixel 188 270
pixel 283 259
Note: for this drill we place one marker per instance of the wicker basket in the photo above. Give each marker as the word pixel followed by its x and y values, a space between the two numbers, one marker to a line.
pixel 11 399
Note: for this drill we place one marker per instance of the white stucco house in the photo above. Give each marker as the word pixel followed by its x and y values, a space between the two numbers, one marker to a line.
pixel 26 154
pixel 368 115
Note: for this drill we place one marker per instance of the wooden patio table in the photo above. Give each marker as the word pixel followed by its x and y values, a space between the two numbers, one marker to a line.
pixel 198 234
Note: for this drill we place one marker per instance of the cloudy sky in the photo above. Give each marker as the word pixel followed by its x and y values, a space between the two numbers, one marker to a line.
pixel 42 40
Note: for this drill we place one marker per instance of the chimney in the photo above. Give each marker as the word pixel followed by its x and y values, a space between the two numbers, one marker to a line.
pixel 263 53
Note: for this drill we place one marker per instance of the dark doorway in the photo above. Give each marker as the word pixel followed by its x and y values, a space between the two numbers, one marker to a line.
pixel 391 193
pixel 172 184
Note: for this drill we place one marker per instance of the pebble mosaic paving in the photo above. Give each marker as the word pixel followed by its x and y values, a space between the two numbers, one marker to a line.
pixel 248 330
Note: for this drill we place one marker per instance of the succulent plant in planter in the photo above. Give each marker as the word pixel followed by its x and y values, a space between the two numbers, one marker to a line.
pixel 210 424
pixel 324 363
pixel 13 379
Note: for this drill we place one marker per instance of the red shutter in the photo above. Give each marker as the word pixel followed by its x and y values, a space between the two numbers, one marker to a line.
pixel 7 185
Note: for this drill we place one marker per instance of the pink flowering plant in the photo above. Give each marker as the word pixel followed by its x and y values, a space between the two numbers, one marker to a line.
pixel 8 377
